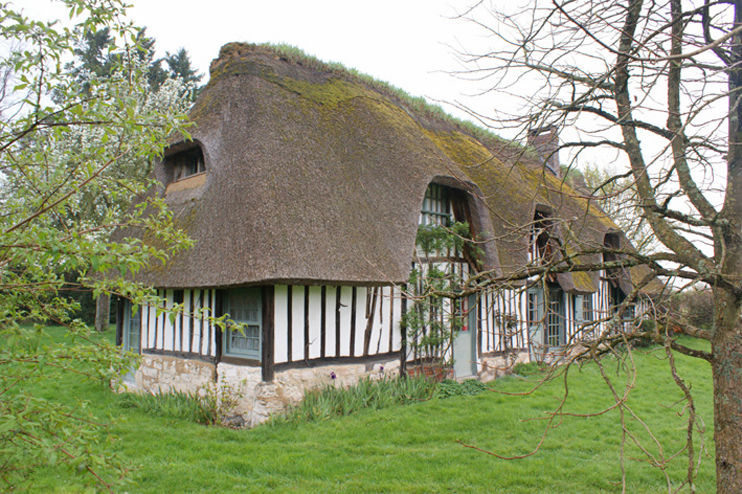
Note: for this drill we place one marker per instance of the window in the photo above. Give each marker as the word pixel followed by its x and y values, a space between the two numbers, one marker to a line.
pixel 436 208
pixel 587 308
pixel 616 276
pixel 187 163
pixel 131 336
pixel 555 317
pixel 178 297
pixel 535 316
pixel 534 312
pixel 243 307
pixel 583 308
pixel 616 298
pixel 542 247
pixel 132 329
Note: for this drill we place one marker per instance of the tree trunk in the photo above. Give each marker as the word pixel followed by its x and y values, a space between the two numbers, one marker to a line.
pixel 102 312
pixel 727 375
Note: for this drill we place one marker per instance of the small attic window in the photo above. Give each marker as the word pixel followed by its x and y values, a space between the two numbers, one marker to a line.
pixel 187 163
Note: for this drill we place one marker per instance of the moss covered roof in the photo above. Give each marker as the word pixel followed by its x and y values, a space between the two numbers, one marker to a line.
pixel 317 175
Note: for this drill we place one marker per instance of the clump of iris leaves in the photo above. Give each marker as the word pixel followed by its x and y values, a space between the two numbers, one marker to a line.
pixel 321 403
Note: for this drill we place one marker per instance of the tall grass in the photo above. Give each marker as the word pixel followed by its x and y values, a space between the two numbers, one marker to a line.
pixel 173 404
pixel 334 400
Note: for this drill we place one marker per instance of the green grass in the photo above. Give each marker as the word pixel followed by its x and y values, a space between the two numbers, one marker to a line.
pixel 416 448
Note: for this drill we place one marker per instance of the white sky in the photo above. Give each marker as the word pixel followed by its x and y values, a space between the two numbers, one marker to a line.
pixel 408 43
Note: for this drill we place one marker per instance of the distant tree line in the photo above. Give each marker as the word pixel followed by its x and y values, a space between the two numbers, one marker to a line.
pixel 98 57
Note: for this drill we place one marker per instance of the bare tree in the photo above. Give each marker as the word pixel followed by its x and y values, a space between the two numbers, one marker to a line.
pixel 616 195
pixel 659 84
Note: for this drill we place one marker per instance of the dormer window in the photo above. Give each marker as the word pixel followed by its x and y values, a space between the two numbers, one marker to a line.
pixel 444 225
pixel 436 208
pixel 611 242
pixel 187 163
pixel 541 246
pixel 616 276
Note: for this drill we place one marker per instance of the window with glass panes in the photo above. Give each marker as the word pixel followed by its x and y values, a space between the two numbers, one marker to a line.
pixel 436 208
pixel 587 308
pixel 132 329
pixel 533 308
pixel 245 315
pixel 187 163
pixel 555 318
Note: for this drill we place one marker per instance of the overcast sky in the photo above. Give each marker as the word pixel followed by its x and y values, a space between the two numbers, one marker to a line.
pixel 409 43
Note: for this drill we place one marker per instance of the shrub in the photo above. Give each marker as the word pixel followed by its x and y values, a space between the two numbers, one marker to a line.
pixel 647 328
pixel 469 387
pixel 530 368
pixel 696 306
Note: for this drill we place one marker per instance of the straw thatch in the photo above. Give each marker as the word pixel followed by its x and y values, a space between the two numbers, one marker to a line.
pixel 315 175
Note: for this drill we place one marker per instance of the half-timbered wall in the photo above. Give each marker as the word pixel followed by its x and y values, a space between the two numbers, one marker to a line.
pixel 325 322
pixel 189 333
pixel 503 320
pixel 315 324
pixel 438 316
pixel 310 323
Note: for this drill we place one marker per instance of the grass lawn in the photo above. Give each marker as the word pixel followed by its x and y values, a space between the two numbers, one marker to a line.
pixel 410 449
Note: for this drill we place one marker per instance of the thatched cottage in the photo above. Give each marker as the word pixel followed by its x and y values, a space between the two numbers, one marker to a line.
pixel 304 188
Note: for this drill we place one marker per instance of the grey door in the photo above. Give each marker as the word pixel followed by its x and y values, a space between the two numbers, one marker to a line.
pixel 465 344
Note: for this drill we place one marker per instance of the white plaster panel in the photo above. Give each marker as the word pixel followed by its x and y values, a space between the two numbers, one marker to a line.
pixel 346 299
pixel 378 322
pixel 315 322
pixel 331 318
pixel 397 334
pixel 360 318
pixel 297 315
pixel 280 324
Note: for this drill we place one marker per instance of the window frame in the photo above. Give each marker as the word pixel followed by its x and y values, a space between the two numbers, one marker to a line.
pixel 555 318
pixel 436 209
pixel 584 308
pixel 541 245
pixel 187 163
pixel 127 333
pixel 256 296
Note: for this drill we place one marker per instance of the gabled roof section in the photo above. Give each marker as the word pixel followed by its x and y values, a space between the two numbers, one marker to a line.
pixel 315 174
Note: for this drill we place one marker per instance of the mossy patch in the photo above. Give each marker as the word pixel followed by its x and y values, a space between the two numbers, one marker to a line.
pixel 460 148
pixel 329 94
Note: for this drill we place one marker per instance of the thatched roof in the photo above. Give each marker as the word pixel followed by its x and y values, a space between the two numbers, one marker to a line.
pixel 315 175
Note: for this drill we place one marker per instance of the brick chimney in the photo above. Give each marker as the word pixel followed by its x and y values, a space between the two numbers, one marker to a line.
pixel 546 141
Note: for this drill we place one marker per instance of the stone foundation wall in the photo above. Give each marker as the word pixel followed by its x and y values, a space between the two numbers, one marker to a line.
pixel 493 367
pixel 288 386
pixel 254 400
pixel 159 373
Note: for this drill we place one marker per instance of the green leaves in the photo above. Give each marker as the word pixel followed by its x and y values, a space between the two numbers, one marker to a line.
pixel 73 160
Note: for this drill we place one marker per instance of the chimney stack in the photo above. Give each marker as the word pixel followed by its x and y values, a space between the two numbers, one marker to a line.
pixel 546 141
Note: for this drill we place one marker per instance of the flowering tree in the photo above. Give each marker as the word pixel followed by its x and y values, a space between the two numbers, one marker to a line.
pixel 658 85
pixel 70 164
